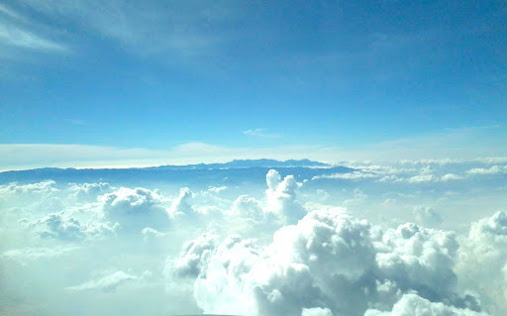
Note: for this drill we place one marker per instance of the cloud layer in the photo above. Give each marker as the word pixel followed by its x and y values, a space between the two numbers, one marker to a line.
pixel 283 242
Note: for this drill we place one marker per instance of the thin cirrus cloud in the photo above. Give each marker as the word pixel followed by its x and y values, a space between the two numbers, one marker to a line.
pixel 261 132
pixel 19 32
pixel 148 29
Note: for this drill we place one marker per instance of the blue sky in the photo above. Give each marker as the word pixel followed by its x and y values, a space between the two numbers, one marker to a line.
pixel 159 75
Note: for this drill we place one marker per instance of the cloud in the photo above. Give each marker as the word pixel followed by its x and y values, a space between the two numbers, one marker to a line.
pixel 450 177
pixel 488 171
pixel 281 196
pixel 58 226
pixel 248 207
pixel 37 253
pixel 179 30
pixel 108 283
pixel 427 216
pixel 23 156
pixel 414 305
pixel 217 190
pixel 258 257
pixel 316 311
pixel 22 37
pixel 486 243
pixel 194 257
pixel 181 205
pixel 90 191
pixel 356 175
pixel 13 36
pixel 260 132
pixel 329 262
pixel 135 209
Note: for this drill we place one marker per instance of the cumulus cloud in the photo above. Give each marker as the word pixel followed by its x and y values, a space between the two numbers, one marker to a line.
pixel 90 191
pixel 323 262
pixel 217 190
pixel 181 205
pixel 59 226
pixel 248 207
pixel 316 311
pixel 281 196
pixel 135 209
pixel 329 262
pixel 486 244
pixel 414 305
pixel 426 216
pixel 194 257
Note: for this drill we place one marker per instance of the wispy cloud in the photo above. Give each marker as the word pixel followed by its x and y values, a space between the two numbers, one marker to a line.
pixel 260 132
pixel 21 36
pixel 176 29
pixel 11 35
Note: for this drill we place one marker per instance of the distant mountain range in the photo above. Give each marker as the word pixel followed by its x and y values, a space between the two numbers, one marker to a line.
pixel 235 171
pixel 247 163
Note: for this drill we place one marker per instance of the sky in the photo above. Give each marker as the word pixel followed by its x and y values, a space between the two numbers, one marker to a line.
pixel 123 83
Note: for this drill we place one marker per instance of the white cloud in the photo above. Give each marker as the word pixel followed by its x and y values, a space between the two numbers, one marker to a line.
pixel 249 208
pixel 217 190
pixel 450 177
pixel 488 171
pixel 90 191
pixel 281 196
pixel 260 132
pixel 23 156
pixel 328 262
pixel 181 204
pixel 13 36
pixel 37 253
pixel 427 216
pixel 58 226
pixel 108 283
pixel 135 209
pixel 194 257
pixel 356 175
pixel 316 311
pixel 414 305
pixel 483 257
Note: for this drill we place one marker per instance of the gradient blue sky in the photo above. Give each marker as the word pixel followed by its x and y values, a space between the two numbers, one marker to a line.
pixel 159 75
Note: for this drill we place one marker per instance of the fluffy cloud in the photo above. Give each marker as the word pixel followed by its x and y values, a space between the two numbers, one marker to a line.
pixel 194 257
pixel 329 262
pixel 181 205
pixel 281 196
pixel 483 260
pixel 414 305
pixel 495 169
pixel 426 216
pixel 135 209
pixel 324 262
pixel 248 207
pixel 44 187
pixel 89 191
pixel 316 311
pixel 58 226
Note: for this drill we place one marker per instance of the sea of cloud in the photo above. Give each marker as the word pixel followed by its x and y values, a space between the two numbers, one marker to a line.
pixel 409 238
